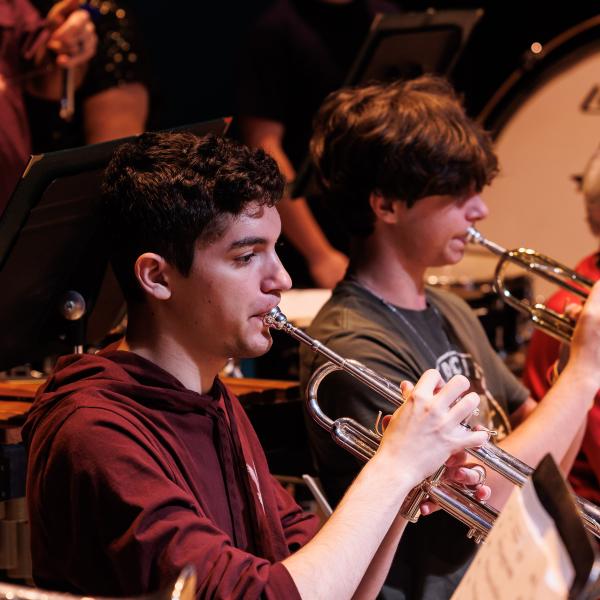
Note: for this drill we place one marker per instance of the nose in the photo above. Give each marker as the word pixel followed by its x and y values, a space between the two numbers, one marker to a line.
pixel 278 279
pixel 476 209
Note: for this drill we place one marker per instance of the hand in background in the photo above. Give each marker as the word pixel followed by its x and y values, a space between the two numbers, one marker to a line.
pixel 585 344
pixel 328 269
pixel 73 38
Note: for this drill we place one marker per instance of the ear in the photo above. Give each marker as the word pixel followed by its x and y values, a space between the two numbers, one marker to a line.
pixel 386 209
pixel 152 272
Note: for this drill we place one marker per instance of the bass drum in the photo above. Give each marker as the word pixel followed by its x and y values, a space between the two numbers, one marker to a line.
pixel 546 123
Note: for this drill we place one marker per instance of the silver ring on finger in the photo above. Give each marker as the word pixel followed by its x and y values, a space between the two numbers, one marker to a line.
pixel 482 475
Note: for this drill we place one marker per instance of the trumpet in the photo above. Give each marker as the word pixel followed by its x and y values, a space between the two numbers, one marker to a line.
pixel 555 324
pixel 363 443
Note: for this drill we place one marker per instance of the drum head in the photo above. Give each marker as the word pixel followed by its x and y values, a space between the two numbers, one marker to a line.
pixel 546 121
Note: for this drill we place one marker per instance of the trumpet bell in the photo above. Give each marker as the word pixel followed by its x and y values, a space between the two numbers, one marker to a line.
pixel 557 325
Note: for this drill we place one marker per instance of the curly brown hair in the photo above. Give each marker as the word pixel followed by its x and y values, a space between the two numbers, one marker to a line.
pixel 405 139
pixel 164 192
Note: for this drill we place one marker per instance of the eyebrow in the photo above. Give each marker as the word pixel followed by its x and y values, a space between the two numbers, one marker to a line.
pixel 247 241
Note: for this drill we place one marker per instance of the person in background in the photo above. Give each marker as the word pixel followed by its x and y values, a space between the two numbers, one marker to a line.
pixel 404 166
pixel 113 99
pixel 35 53
pixel 298 52
pixel 543 351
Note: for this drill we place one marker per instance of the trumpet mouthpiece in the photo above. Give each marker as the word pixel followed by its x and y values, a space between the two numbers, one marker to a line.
pixel 473 235
pixel 275 319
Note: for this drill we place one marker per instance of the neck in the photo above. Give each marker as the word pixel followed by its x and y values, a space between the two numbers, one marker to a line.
pixel 382 268
pixel 155 344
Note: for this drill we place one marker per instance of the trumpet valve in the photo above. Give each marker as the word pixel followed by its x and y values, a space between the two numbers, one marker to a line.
pixel 475 535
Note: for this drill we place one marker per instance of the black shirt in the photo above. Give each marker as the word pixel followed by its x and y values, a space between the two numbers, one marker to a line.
pixel 296 54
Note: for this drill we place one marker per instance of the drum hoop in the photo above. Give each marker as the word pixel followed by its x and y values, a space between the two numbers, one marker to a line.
pixel 536 70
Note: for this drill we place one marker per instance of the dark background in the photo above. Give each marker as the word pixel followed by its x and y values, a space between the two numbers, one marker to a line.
pixel 191 49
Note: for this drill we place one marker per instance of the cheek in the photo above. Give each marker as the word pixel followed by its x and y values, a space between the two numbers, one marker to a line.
pixel 430 238
pixel 219 290
pixel 209 308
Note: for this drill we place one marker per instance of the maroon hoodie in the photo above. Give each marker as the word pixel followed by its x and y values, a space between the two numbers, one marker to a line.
pixel 131 476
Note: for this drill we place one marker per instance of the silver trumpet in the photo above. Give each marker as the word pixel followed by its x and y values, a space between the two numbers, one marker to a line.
pixel 363 443
pixel 555 324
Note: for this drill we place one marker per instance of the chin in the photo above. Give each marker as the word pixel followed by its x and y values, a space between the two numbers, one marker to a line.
pixel 449 258
pixel 256 347
pixel 455 256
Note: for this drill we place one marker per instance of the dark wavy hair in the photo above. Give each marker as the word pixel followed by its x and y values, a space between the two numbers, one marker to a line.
pixel 165 192
pixel 406 139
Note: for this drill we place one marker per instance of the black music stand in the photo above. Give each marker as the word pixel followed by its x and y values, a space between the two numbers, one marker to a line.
pixel 404 46
pixel 57 292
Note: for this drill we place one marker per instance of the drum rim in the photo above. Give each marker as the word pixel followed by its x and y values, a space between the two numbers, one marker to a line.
pixel 537 69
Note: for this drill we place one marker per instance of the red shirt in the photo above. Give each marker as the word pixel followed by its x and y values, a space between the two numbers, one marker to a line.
pixel 131 476
pixel 542 353
pixel 20 33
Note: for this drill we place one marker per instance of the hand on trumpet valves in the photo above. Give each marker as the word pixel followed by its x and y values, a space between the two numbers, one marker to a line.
pixel 470 476
pixel 584 353
pixel 423 433
pixel 572 310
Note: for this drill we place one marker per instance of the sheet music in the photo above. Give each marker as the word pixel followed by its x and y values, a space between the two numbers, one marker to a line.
pixel 523 557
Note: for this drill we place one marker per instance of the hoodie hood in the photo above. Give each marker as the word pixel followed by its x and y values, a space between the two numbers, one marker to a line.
pixel 118 376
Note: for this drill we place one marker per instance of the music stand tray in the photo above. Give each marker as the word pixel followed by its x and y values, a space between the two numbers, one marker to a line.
pixel 52 244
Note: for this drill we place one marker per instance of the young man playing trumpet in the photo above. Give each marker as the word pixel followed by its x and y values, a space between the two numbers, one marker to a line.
pixel 140 459
pixel 403 167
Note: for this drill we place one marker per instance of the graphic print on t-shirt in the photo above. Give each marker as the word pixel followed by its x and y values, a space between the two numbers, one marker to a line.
pixel 461 363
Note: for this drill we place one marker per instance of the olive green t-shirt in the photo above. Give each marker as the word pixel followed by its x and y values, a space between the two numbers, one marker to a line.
pixel 401 344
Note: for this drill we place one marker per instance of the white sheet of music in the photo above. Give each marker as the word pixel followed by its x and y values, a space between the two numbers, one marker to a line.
pixel 523 557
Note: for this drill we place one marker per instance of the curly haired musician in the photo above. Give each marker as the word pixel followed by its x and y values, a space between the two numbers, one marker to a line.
pixel 140 459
